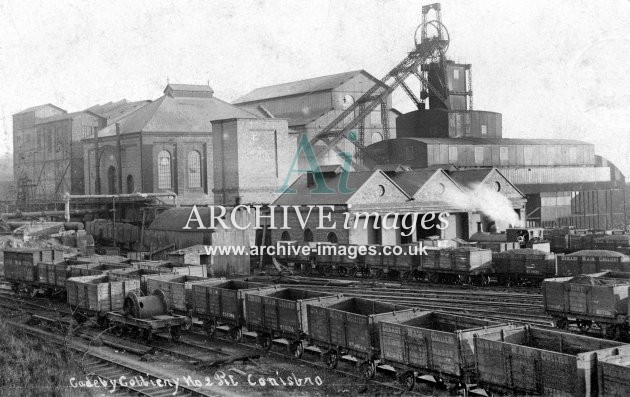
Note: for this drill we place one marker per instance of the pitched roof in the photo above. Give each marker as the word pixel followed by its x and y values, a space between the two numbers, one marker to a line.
pixel 32 108
pixel 315 84
pixel 168 114
pixel 189 87
pixel 114 111
pixel 470 178
pixel 412 181
pixel 65 116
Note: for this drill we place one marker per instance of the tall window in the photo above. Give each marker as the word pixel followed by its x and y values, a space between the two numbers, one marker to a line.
pixel 194 169
pixel 130 184
pixel 111 180
pixel 164 170
pixel 308 235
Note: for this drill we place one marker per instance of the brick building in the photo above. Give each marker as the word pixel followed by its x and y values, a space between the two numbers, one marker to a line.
pixel 48 153
pixel 309 105
pixel 191 143
pixel 393 190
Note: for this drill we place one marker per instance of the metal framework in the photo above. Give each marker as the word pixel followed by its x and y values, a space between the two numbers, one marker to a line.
pixel 427 49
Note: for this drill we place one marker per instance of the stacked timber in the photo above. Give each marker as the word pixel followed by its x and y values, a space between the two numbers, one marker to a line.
pixel 178 288
pixel 99 293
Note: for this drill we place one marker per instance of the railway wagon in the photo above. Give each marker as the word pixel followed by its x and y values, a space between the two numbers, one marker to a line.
pixel 457 265
pixel 94 269
pixel 592 261
pixel 340 260
pixel 146 315
pixel 529 360
pixel 290 252
pixel 495 242
pixel 174 268
pixel 523 266
pixel 21 265
pixel 52 276
pixel 401 266
pixel 96 295
pixel 433 343
pixel 178 289
pixel 615 242
pixel 350 326
pixel 597 300
pixel 614 372
pixel 282 314
pixel 223 304
pixel 139 274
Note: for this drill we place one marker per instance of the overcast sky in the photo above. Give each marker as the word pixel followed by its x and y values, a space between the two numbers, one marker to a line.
pixel 555 69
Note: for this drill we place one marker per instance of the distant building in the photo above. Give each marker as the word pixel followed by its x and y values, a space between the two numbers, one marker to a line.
pixel 48 153
pixel 191 143
pixel 309 105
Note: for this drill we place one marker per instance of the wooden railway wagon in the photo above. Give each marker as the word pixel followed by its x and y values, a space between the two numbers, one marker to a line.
pixel 20 265
pixel 350 326
pixel 592 261
pixel 79 260
pixel 615 242
pixel 96 295
pixel 223 305
pixel 457 265
pixel 402 266
pixel 289 252
pixel 178 289
pixel 597 300
pixel 528 360
pixel 345 260
pixel 523 266
pixel 94 269
pixel 433 343
pixel 52 276
pixel 140 274
pixel 614 371
pixel 282 314
pixel 174 268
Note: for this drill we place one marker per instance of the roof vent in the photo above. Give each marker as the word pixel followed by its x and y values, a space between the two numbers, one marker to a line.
pixel 188 91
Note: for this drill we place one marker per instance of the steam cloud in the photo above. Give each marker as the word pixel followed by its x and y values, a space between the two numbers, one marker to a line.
pixel 491 203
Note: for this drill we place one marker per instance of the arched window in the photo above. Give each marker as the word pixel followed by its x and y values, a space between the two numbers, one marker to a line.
pixel 194 169
pixel 111 179
pixel 308 235
pixel 164 170
pixel 376 137
pixel 285 236
pixel 332 238
pixel 130 185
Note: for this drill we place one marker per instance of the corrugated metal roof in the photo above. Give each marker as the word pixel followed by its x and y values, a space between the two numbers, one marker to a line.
pixel 65 116
pixel 114 111
pixel 168 114
pixel 495 141
pixel 315 84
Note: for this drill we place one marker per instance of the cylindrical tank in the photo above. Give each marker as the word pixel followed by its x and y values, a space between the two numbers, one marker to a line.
pixel 146 306
pixel 73 226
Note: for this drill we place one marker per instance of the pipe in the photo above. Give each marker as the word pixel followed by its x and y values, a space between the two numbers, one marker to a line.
pixel 115 196
pixel 18 214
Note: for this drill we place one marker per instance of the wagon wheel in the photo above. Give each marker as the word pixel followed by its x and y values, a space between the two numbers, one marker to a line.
pixel 210 326
pixel 296 348
pixel 342 271
pixel 148 335
pixel 584 325
pixel 405 276
pixel 176 333
pixel 308 269
pixel 418 275
pixel 236 334
pixel 188 323
pixel 366 272
pixel 326 270
pixel 331 359
pixel 368 369
pixel 32 291
pixel 379 273
pixel 118 330
pixel 79 318
pixel 267 342
pixel 562 323
pixel 408 380
pixel 353 272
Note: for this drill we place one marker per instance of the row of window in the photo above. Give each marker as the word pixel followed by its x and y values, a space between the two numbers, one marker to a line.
pixel 165 170
pixel 308 236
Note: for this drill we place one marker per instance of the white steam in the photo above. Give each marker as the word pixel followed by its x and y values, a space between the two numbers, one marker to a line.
pixel 489 202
